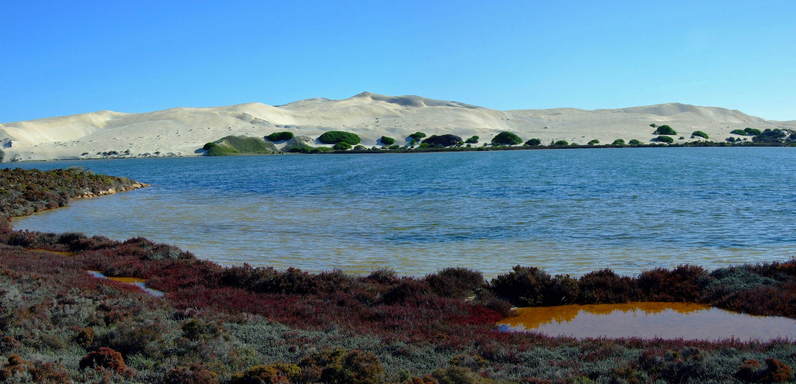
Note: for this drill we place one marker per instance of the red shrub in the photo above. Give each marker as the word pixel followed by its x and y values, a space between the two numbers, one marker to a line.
pixel 605 287
pixel 407 291
pixel 684 283
pixel 455 282
pixel 194 374
pixel 104 358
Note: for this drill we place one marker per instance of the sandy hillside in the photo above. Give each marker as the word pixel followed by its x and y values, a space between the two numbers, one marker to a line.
pixel 182 131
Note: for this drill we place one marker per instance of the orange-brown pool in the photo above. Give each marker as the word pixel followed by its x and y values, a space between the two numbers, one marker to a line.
pixel 649 320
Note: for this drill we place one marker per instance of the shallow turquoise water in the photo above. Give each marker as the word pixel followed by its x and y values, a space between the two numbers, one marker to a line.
pixel 568 211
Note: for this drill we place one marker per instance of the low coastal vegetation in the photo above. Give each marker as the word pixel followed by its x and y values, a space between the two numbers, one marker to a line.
pixel 701 134
pixel 441 141
pixel 334 137
pixel 506 138
pixel 239 145
pixel 23 192
pixel 664 130
pixel 386 140
pixel 342 142
pixel 279 136
pixel 260 325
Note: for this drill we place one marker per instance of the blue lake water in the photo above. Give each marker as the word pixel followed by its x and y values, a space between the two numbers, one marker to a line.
pixel 568 211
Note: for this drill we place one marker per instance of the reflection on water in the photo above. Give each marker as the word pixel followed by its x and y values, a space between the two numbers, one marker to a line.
pixel 565 211
pixel 649 320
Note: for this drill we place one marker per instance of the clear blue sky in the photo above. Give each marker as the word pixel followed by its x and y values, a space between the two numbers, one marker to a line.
pixel 66 57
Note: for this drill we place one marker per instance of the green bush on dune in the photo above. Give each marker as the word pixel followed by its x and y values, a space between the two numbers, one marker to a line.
pixel 472 140
pixel 663 139
pixel 415 138
pixel 618 142
pixel 634 142
pixel 699 134
pixel 446 140
pixel 386 141
pixel 239 145
pixel 279 136
pixel 334 137
pixel 533 143
pixel 746 132
pixel 560 143
pixel 665 130
pixel 341 146
pixel 506 138
pixel 594 142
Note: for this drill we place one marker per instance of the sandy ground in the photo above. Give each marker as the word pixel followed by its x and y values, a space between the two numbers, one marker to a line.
pixel 182 131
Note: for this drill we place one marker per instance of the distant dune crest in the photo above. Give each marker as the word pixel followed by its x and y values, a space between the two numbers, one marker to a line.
pixel 182 131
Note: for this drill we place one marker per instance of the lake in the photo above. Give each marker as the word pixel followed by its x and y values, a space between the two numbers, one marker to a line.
pixel 567 211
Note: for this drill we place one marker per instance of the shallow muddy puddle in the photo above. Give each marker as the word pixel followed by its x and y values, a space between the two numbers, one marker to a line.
pixel 138 282
pixel 648 320
pixel 59 253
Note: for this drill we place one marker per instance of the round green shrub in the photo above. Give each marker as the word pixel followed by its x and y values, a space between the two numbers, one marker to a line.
pixel 594 142
pixel 415 137
pixel 618 142
pixel 341 146
pixel 279 136
pixel 533 142
pixel 634 142
pixel 506 138
pixel 387 141
pixel 561 143
pixel 447 140
pixel 472 140
pixel 334 137
pixel 665 130
pixel 664 139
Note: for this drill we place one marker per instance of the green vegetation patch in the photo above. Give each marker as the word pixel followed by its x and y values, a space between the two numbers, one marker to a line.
pixel 618 142
pixel 533 142
pixel 334 137
pixel 699 134
pixel 746 132
pixel 446 140
pixel 594 142
pixel 663 139
pixel 665 130
pixel 239 145
pixel 415 137
pixel 342 146
pixel 506 138
pixel 386 140
pixel 472 140
pixel 279 136
pixel 634 142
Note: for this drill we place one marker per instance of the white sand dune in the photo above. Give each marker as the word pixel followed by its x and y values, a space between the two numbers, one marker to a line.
pixel 181 131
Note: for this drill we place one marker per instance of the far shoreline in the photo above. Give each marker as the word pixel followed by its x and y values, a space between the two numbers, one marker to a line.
pixel 429 150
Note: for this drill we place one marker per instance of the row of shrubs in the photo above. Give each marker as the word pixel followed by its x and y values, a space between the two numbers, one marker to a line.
pixel 342 141
pixel 24 192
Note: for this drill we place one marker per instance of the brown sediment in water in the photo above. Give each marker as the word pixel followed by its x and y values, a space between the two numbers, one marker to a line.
pixel 648 320
pixel 128 280
pixel 134 281
pixel 59 253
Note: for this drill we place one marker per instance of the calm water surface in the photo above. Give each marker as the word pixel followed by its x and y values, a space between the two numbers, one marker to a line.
pixel 649 320
pixel 568 211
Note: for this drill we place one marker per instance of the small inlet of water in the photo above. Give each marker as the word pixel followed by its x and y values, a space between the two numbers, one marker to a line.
pixel 138 282
pixel 649 320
